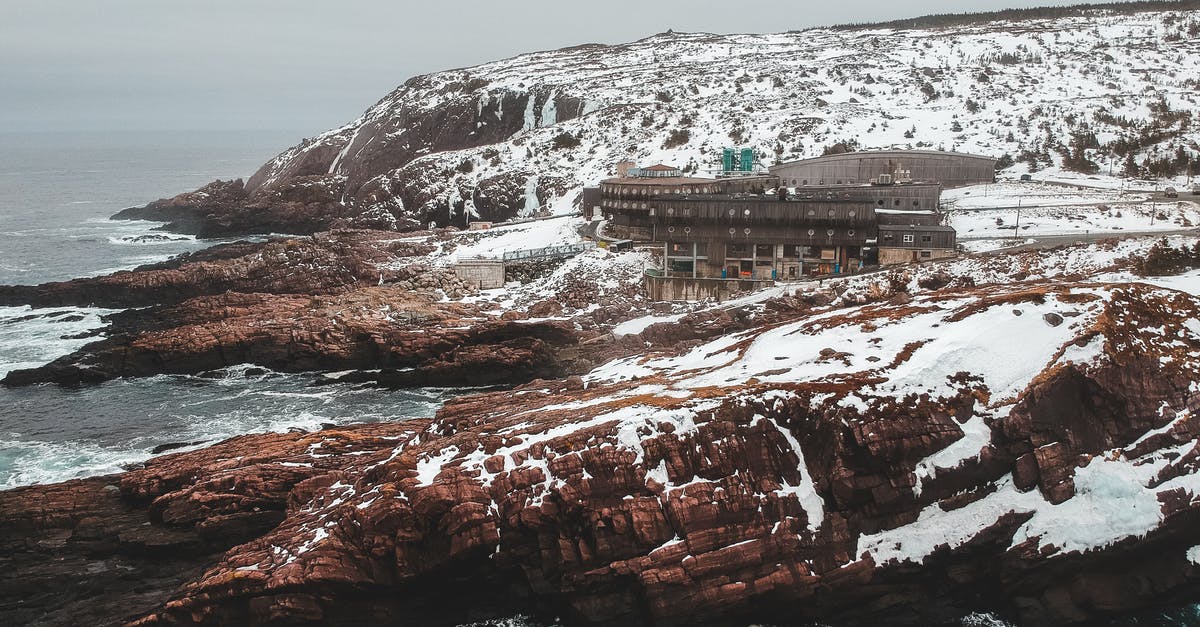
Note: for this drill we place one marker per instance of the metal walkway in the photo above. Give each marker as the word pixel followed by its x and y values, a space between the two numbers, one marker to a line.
pixel 550 252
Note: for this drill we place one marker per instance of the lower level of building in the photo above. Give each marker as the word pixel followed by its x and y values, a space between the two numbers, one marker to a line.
pixel 761 261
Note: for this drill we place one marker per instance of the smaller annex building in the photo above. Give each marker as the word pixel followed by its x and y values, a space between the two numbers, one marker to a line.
pixel 950 169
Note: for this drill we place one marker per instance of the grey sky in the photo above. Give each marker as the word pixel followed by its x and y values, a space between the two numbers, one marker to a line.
pixel 309 65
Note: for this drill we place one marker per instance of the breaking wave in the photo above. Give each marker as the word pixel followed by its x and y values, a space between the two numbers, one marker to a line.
pixel 55 434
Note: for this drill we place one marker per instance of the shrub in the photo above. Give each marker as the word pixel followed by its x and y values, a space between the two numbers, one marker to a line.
pixel 1163 259
pixel 564 140
pixel 678 137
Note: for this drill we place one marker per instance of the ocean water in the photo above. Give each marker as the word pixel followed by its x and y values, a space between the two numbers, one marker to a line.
pixel 57 191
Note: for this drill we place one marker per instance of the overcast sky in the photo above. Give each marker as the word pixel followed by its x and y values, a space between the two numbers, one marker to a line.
pixel 308 65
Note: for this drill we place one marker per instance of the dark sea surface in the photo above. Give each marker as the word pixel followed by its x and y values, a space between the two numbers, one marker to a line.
pixel 57 191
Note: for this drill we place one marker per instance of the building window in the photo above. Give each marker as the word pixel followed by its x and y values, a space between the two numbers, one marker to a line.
pixel 764 250
pixel 908 238
pixel 925 239
pixel 879 202
pixel 887 237
pixel 682 265
pixel 916 203
pixel 805 182
pixel 896 202
pixel 737 251
pixel 701 250
pixel 926 254
pixel 791 251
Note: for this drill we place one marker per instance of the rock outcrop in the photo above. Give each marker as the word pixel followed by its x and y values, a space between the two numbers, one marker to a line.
pixel 103 550
pixel 880 464
pixel 324 263
pixel 411 339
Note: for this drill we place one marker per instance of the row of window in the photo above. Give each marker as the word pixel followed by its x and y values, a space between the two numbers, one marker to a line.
pixel 733 231
pixel 625 204
pixel 686 212
pixel 751 251
pixel 909 238
pixel 646 191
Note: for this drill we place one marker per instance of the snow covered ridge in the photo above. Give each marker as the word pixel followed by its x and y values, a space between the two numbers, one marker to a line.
pixel 1004 430
pixel 857 365
pixel 507 137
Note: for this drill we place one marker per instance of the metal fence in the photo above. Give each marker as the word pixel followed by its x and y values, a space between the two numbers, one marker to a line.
pixel 549 252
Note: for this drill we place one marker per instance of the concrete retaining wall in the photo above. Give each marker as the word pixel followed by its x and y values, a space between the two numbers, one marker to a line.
pixel 485 274
pixel 671 288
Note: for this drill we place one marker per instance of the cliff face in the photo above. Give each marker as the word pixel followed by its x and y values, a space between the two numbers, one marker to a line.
pixel 519 135
pixel 886 464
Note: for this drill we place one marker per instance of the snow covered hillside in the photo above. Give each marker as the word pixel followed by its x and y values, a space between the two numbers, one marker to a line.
pixel 524 134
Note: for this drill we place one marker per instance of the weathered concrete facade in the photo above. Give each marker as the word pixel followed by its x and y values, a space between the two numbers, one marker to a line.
pixel 761 228
pixel 485 274
pixel 682 288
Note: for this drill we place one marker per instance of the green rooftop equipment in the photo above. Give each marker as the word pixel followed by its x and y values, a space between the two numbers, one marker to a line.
pixel 737 160
pixel 747 160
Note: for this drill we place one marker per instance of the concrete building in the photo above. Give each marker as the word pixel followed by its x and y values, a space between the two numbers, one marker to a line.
pixel 913 236
pixel 759 228
pixel 483 273
pixel 950 169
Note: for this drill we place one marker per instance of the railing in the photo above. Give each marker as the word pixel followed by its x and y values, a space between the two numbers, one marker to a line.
pixel 549 252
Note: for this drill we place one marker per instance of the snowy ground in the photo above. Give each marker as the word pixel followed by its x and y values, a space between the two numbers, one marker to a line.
pixel 1074 220
pixel 1031 194
pixel 494 242
pixel 990 245
pixel 1057 175
pixel 1105 262
pixel 990 212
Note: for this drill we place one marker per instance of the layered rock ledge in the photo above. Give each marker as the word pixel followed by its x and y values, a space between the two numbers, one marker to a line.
pixel 892 464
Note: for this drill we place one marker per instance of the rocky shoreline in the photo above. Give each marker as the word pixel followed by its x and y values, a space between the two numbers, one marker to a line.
pixel 859 454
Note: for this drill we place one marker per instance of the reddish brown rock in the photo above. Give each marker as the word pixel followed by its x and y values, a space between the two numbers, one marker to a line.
pixel 633 503
pixel 415 340
pixel 322 264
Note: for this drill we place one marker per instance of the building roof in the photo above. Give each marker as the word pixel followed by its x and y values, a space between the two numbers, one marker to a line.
pixel 660 180
pixel 938 228
pixel 866 154
pixel 658 167
pixel 905 212
pixel 864 185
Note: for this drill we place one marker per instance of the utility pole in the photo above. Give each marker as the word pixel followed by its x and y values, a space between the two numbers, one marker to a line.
pixel 1153 203
pixel 1017 228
